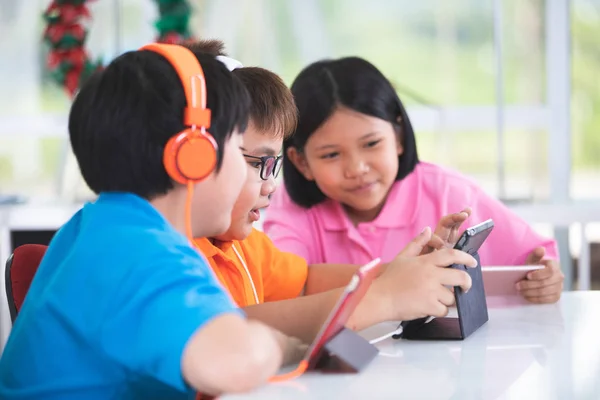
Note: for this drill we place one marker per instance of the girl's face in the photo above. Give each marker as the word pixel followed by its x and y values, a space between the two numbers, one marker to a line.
pixel 353 159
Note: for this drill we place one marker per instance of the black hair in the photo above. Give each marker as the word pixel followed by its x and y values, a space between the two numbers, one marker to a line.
pixel 124 115
pixel 349 82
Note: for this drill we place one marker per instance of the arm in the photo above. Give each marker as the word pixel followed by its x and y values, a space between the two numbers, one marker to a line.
pixel 302 317
pixel 323 277
pixel 514 242
pixel 516 236
pixel 286 275
pixel 181 328
pixel 409 288
pixel 230 354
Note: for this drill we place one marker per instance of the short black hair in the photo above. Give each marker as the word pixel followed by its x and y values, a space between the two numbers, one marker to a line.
pixel 124 115
pixel 349 82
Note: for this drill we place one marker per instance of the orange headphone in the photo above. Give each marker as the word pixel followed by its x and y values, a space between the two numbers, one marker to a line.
pixel 190 155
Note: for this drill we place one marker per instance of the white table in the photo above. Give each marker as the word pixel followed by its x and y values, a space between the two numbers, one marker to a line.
pixel 524 352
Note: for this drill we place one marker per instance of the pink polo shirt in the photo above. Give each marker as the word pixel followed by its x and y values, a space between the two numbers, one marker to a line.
pixel 324 233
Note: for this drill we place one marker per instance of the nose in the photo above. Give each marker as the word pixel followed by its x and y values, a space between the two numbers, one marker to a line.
pixel 355 167
pixel 268 186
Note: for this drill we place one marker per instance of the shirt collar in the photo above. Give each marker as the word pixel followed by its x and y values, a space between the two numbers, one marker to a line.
pixel 210 250
pixel 399 211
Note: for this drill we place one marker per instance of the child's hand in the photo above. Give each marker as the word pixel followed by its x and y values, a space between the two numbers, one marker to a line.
pixel 230 354
pixel 413 286
pixel 544 285
pixel 447 231
pixel 293 348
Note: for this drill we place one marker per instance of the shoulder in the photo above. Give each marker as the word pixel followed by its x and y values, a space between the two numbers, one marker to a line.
pixel 258 243
pixel 137 241
pixel 256 240
pixel 435 172
pixel 258 247
pixel 437 179
pixel 283 273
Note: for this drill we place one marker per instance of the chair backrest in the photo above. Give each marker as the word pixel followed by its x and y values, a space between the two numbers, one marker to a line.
pixel 21 266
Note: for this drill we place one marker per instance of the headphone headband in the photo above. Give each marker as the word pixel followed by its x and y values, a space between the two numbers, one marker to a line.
pixel 192 79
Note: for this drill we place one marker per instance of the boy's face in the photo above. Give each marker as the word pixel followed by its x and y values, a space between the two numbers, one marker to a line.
pixel 255 193
pixel 215 197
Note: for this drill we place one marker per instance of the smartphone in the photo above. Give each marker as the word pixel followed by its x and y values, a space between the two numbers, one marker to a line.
pixel 472 238
pixel 339 315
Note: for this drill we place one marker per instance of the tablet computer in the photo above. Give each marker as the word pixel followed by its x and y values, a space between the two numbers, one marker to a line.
pixel 339 315
pixel 501 280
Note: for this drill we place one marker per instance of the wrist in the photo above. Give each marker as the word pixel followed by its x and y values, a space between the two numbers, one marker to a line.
pixel 383 268
pixel 292 348
pixel 281 339
pixel 379 301
pixel 294 351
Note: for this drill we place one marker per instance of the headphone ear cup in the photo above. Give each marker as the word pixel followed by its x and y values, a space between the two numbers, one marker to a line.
pixel 169 156
pixel 190 156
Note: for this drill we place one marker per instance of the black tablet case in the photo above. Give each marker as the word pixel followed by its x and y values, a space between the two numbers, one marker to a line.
pixel 471 308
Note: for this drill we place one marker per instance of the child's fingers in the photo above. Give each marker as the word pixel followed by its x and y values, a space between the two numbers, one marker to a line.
pixel 550 290
pixel 436 242
pixel 415 247
pixel 447 257
pixel 536 256
pixel 540 274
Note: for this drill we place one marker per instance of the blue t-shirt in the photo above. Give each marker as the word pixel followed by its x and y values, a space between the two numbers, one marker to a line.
pixel 116 298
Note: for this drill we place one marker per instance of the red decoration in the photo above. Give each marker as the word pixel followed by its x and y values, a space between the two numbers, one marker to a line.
pixel 65 33
pixel 171 38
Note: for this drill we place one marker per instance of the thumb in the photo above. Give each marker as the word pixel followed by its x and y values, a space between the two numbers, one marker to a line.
pixel 415 247
pixel 535 256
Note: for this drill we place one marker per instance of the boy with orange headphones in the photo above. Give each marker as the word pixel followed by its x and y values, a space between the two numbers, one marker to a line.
pixel 122 306
pixel 279 288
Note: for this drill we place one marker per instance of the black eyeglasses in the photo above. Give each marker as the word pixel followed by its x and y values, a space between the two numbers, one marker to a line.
pixel 269 165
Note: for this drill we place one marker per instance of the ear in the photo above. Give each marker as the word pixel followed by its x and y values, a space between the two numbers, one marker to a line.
pixel 399 147
pixel 299 161
pixel 399 137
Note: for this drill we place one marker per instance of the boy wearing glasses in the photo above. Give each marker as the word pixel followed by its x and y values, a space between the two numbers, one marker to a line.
pixel 244 259
pixel 279 288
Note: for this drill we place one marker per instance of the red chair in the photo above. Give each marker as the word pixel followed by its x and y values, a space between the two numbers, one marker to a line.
pixel 20 269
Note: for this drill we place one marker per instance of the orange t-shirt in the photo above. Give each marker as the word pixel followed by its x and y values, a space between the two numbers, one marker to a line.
pixel 276 275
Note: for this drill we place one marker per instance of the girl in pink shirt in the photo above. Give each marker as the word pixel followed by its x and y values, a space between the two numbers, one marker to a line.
pixel 355 188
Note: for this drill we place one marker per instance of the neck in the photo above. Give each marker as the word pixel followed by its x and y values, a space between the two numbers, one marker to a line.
pixel 360 216
pixel 172 207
